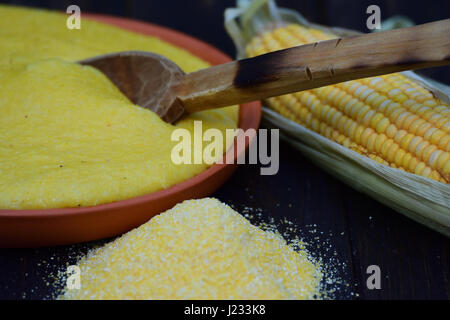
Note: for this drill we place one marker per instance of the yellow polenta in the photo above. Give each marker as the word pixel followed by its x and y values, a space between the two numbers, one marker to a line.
pixel 68 137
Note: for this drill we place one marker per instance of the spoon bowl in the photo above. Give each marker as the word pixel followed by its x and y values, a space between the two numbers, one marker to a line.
pixel 147 79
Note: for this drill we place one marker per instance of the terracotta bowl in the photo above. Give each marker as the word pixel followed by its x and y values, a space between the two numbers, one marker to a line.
pixel 37 228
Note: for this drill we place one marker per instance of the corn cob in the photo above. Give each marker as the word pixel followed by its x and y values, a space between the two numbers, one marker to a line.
pixel 389 119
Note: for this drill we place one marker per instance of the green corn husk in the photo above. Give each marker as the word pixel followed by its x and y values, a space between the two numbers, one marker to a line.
pixel 421 199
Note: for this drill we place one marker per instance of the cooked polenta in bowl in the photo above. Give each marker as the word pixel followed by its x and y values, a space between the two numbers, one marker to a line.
pixel 68 137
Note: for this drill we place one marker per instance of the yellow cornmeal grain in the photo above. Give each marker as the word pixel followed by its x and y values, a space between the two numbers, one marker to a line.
pixel 200 249
pixel 68 137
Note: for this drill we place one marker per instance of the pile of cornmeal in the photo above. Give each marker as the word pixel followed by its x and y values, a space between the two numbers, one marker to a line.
pixel 68 137
pixel 200 249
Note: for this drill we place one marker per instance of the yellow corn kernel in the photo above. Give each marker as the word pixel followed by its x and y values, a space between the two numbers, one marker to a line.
pixel 390 118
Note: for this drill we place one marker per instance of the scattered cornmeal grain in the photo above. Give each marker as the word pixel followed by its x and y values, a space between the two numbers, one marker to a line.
pixel 200 249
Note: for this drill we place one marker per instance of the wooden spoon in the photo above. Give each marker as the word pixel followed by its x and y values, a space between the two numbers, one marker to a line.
pixel 154 82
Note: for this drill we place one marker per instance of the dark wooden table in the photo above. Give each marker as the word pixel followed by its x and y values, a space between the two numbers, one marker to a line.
pixel 414 260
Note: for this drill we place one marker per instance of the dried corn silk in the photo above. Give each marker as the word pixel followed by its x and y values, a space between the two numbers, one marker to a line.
pixel 200 249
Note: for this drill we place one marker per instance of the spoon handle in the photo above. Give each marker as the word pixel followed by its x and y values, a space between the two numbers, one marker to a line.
pixel 316 65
